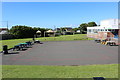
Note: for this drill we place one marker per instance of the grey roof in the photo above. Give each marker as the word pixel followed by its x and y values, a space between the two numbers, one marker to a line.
pixel 4 32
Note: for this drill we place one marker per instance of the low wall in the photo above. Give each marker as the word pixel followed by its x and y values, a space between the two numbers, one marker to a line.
pixel 100 35
pixel 92 35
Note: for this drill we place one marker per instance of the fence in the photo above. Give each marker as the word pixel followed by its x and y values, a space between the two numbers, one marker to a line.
pixel 6 36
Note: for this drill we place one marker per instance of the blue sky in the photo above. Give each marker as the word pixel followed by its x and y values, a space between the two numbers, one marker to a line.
pixel 60 0
pixel 48 14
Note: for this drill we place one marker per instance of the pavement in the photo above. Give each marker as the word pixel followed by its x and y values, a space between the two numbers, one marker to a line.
pixel 63 53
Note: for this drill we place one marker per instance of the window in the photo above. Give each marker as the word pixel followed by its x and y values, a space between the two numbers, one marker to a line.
pixel 89 30
pixel 112 30
pixel 95 31
pixel 109 29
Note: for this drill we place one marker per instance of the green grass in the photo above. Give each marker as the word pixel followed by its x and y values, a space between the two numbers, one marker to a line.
pixel 84 71
pixel 13 42
pixel 66 38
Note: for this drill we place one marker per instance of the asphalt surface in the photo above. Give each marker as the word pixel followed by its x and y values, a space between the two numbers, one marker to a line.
pixel 63 53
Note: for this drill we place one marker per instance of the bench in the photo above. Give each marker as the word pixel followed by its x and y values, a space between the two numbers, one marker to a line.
pixel 18 47
pixel 103 41
pixel 23 45
pixel 97 40
pixel 36 41
pixel 29 43
pixel 111 43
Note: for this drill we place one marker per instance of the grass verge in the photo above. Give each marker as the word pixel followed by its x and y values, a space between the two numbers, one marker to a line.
pixel 83 71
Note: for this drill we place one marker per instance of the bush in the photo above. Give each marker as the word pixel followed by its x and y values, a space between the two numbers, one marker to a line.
pixel 22 31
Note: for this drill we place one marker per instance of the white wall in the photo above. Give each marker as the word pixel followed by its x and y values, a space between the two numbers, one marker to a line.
pixel 110 23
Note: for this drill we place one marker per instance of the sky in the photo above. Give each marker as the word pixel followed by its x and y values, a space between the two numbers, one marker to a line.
pixel 60 0
pixel 59 14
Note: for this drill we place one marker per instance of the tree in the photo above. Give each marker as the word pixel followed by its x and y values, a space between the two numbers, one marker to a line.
pixel 22 31
pixel 63 29
pixel 75 29
pixel 91 24
pixel 26 32
pixel 83 27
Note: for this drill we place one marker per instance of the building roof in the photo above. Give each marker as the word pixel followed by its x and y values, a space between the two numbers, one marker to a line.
pixel 3 28
pixel 50 31
pixel 4 32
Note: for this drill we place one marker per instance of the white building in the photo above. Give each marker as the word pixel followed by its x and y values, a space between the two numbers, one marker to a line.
pixel 107 28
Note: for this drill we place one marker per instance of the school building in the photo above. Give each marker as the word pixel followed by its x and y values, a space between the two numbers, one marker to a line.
pixel 108 29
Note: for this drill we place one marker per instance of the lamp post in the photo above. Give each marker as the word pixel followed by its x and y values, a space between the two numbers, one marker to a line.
pixel 44 33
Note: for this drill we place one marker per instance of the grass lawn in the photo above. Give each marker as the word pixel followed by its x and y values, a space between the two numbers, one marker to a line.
pixel 83 71
pixel 13 42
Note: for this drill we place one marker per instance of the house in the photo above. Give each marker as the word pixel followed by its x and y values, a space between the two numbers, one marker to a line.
pixel 64 30
pixel 57 29
pixel 4 34
pixel 108 29
pixel 68 31
pixel 3 31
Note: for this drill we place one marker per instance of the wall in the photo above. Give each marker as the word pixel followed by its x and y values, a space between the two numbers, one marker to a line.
pixel 110 23
pixel 101 35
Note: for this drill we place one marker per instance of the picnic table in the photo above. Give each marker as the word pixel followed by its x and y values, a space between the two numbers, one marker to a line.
pixel 36 41
pixel 97 40
pixel 23 44
pixel 20 46
pixel 110 43
pixel 103 41
pixel 29 43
